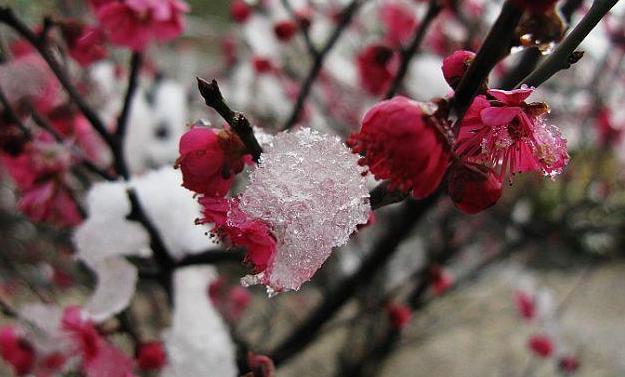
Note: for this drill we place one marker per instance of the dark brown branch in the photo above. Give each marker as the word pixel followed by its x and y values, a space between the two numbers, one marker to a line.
pixel 400 228
pixel 136 62
pixel 212 257
pixel 526 64
pixel 239 123
pixel 12 115
pixel 8 17
pixel 345 18
pixel 561 57
pixel 496 45
pixel 303 28
pixel 46 126
pixel 122 121
pixel 434 8
pixel 380 196
pixel 161 256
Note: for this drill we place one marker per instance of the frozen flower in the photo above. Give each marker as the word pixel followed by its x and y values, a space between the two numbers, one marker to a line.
pixel 401 142
pixel 151 356
pixel 473 187
pixel 377 65
pixel 455 65
pixel 136 23
pixel 16 351
pixel 241 230
pixel 209 159
pixel 399 23
pixel 504 132
pixel 310 190
pixel 541 345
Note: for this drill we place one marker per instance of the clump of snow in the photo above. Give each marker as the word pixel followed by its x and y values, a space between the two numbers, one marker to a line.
pixel 309 188
pixel 198 341
pixel 107 234
pixel 117 280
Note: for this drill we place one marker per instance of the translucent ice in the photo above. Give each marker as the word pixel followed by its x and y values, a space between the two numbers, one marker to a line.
pixel 309 188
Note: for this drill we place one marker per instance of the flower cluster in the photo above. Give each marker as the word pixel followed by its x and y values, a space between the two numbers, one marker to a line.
pixel 282 218
pixel 409 143
pixel 133 24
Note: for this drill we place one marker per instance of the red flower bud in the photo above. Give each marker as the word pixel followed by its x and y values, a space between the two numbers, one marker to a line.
pixel 473 187
pixel 399 315
pixel 377 65
pixel 240 11
pixel 16 351
pixel 285 30
pixel 455 65
pixel 151 356
pixel 541 345
pixel 568 364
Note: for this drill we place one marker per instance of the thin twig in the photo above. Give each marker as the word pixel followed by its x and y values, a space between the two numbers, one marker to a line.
pixel 434 8
pixel 496 45
pixel 303 28
pixel 561 57
pixel 133 81
pixel 46 126
pixel 345 19
pixel 212 257
pixel 239 123
pixel 12 115
pixel 305 333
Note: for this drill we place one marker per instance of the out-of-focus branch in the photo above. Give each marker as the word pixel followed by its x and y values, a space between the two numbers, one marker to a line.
pixel 122 121
pixel 345 18
pixel 402 224
pixel 212 257
pixel 239 123
pixel 163 259
pixel 12 115
pixel 8 17
pixel 496 45
pixel 46 126
pixel 563 56
pixel 303 28
pixel 434 8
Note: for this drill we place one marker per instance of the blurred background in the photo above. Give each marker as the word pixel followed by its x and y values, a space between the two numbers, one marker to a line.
pixel 530 287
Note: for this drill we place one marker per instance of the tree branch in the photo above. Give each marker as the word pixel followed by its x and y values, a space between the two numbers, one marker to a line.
pixel 401 226
pixel 239 123
pixel 312 50
pixel 345 19
pixel 561 58
pixel 496 45
pixel 434 8
pixel 7 16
